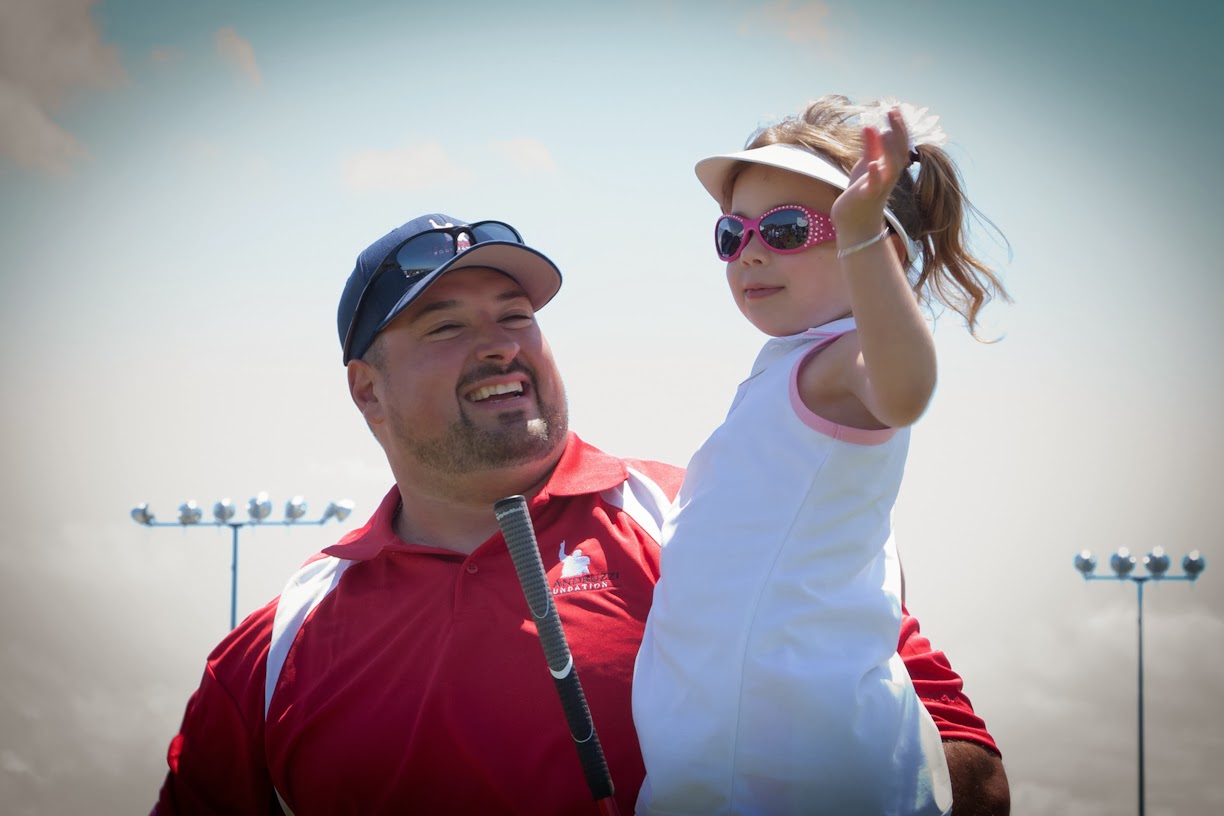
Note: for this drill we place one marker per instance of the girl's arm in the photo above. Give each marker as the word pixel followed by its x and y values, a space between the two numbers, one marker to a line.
pixel 893 373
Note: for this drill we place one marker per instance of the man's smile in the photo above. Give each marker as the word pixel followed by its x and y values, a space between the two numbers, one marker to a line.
pixel 498 392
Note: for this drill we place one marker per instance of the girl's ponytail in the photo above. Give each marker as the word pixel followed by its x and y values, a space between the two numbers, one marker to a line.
pixel 949 271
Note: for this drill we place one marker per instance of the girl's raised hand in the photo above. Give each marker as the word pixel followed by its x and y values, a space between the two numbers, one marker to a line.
pixel 858 212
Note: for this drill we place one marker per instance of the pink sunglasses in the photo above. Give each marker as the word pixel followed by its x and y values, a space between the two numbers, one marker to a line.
pixel 785 230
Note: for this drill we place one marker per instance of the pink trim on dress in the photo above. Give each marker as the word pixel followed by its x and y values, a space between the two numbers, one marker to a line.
pixel 855 436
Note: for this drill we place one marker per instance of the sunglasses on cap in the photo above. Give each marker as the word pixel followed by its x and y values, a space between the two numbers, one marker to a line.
pixel 785 230
pixel 423 253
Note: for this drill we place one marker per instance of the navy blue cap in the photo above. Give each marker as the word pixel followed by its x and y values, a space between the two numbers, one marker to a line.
pixel 393 292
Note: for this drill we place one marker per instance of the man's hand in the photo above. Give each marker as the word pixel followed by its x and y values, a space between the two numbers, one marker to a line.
pixel 979 783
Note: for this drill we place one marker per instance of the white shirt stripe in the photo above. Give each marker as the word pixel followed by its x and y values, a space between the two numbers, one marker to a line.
pixel 644 501
pixel 305 590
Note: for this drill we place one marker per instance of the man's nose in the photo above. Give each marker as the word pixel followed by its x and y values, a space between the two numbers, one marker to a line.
pixel 498 344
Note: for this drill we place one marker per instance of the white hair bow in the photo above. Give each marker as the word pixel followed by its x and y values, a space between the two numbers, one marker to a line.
pixel 922 125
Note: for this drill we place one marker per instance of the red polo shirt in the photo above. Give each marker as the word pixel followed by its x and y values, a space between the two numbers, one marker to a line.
pixel 417 682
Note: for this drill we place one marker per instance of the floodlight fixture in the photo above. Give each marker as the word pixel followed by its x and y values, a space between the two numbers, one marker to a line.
pixel 190 512
pixel 1122 562
pixel 223 511
pixel 295 508
pixel 1085 562
pixel 1193 564
pixel 1157 562
pixel 259 507
pixel 338 510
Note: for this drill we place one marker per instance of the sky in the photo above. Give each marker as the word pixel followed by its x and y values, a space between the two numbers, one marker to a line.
pixel 184 188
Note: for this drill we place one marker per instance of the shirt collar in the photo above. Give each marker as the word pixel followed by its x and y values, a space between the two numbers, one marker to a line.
pixel 839 326
pixel 582 469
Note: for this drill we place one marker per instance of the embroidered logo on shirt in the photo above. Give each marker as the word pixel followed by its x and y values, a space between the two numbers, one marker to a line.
pixel 576 575
pixel 575 563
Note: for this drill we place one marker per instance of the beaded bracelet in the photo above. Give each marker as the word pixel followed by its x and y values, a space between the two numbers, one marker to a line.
pixel 841 253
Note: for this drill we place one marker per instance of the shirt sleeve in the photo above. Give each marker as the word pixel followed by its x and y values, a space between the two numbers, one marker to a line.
pixel 940 688
pixel 217 764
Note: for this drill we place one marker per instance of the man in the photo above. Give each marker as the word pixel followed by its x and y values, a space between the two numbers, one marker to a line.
pixel 399 670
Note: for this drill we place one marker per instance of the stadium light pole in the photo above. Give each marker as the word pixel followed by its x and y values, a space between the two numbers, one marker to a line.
pixel 258 510
pixel 1157 564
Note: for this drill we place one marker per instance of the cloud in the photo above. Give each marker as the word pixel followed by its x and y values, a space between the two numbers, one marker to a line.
pixel 11 763
pixel 29 137
pixel 164 55
pixel 405 168
pixel 239 53
pixel 49 51
pixel 528 154
pixel 799 22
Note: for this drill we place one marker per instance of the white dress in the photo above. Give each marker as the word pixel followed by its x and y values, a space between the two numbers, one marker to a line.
pixel 768 680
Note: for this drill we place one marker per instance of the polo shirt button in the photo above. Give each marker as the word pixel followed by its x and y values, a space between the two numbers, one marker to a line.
pixel 472 569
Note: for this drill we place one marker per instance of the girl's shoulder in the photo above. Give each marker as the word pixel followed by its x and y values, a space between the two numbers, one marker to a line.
pixel 825 382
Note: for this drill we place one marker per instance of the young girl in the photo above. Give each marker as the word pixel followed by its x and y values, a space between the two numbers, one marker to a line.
pixel 767 680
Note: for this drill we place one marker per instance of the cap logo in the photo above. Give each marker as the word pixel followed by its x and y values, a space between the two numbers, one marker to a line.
pixel 462 241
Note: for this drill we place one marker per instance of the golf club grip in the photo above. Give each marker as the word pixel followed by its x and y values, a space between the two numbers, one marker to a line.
pixel 515 522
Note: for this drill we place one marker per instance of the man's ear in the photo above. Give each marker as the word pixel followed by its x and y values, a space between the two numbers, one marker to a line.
pixel 366 388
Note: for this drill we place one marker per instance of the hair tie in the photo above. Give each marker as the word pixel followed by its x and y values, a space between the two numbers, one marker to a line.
pixel 913 156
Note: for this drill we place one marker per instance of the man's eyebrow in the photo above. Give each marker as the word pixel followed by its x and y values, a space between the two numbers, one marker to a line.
pixel 435 306
pixel 513 294
pixel 453 303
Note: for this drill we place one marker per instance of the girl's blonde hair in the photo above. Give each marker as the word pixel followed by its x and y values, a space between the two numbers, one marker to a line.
pixel 933 208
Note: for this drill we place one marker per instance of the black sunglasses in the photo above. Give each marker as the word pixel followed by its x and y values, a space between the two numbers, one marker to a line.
pixel 418 256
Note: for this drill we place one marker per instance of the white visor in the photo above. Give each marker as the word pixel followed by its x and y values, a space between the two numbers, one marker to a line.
pixel 712 172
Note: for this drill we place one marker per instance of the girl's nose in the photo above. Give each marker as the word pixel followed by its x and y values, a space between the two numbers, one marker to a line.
pixel 754 251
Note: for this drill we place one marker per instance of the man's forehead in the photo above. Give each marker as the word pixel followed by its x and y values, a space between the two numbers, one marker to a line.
pixel 472 284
